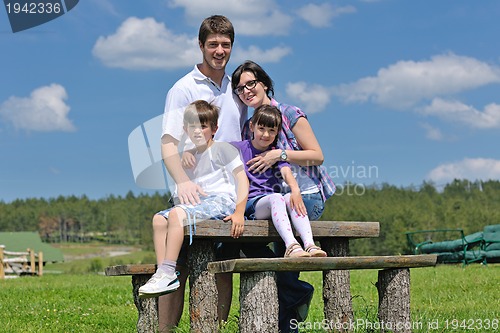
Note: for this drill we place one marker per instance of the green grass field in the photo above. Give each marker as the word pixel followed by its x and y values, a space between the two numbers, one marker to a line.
pixel 443 299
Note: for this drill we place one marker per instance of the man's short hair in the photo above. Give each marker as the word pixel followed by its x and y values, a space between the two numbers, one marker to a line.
pixel 216 24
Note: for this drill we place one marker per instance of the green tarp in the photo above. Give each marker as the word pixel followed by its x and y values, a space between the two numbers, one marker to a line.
pixel 451 246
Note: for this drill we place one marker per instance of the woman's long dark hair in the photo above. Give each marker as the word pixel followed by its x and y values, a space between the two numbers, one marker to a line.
pixel 259 73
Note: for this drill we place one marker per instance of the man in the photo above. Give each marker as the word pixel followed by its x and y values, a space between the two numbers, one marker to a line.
pixel 207 81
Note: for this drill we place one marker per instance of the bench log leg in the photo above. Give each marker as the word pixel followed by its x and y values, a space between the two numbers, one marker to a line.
pixel 258 302
pixel 394 300
pixel 147 308
pixel 203 291
pixel 337 285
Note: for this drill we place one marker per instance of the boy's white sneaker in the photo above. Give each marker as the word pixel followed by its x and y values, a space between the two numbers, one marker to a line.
pixel 160 283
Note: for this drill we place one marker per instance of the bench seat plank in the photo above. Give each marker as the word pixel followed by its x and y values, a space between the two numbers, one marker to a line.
pixel 256 230
pixel 321 264
pixel 139 269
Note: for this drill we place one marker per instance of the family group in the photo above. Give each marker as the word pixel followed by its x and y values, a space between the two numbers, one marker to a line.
pixel 228 167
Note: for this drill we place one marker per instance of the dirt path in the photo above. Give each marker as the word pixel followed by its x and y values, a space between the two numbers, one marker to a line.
pixel 103 252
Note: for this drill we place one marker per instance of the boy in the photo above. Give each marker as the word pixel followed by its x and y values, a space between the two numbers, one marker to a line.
pixel 220 174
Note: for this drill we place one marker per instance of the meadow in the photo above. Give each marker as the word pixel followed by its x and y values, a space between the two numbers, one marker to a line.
pixel 75 296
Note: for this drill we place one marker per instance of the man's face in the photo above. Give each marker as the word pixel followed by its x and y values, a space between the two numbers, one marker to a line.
pixel 216 51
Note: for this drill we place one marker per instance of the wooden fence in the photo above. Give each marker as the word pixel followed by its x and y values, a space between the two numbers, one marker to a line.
pixel 20 263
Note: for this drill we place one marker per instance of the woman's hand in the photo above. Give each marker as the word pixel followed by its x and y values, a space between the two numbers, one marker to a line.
pixel 188 160
pixel 264 161
pixel 297 204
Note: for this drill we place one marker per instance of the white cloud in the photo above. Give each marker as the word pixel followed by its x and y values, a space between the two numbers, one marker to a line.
pixel 466 114
pixel 44 110
pixel 250 17
pixel 432 132
pixel 313 98
pixel 146 44
pixel 405 83
pixel 468 168
pixel 321 16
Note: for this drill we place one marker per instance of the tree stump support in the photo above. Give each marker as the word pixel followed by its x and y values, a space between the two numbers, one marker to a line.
pixel 394 300
pixel 337 285
pixel 147 322
pixel 203 290
pixel 258 302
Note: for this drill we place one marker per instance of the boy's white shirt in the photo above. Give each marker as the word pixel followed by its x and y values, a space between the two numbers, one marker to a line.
pixel 214 170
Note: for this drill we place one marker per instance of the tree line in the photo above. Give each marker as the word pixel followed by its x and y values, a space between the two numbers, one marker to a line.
pixel 127 220
pixel 114 219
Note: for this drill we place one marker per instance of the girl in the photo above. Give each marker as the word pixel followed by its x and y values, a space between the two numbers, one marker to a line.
pixel 265 199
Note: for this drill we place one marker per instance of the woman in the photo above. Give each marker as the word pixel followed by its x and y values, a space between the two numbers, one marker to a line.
pixel 298 145
pixel 297 142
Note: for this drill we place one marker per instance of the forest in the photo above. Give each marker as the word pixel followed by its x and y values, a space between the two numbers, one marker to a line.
pixel 127 220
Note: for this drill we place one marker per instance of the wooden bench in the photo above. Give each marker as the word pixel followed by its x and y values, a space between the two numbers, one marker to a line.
pixel 334 237
pixel 20 263
pixel 259 294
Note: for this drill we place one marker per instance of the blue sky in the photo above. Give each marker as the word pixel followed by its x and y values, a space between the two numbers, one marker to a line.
pixel 397 92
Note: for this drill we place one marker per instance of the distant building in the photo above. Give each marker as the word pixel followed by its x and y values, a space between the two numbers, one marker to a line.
pixel 21 241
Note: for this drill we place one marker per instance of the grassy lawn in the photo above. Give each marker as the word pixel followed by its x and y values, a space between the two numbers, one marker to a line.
pixel 443 299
